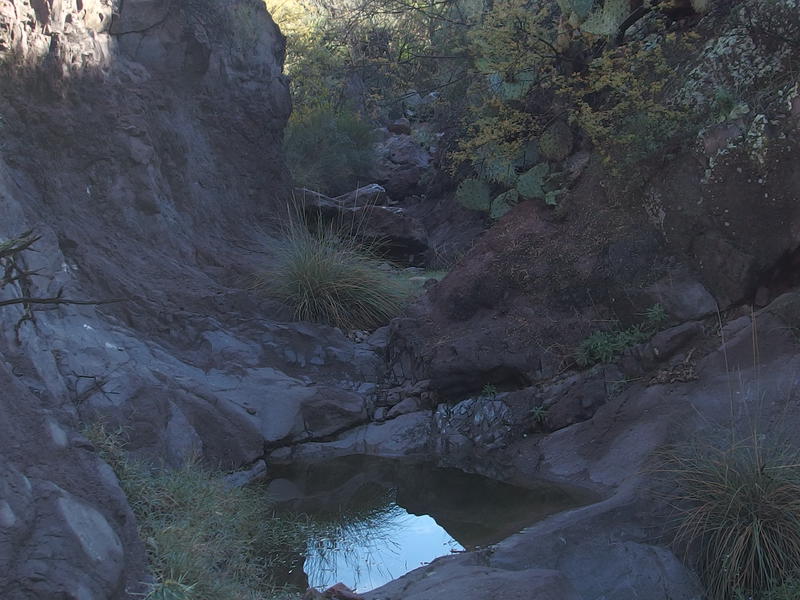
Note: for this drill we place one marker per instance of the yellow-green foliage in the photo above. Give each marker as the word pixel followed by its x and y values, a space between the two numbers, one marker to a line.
pixel 514 50
pixel 620 102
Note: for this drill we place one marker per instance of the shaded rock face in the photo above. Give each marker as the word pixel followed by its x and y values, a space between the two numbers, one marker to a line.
pixel 65 526
pixel 141 141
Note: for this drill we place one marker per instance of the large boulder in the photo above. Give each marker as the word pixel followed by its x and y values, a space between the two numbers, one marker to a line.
pixel 362 213
pixel 402 163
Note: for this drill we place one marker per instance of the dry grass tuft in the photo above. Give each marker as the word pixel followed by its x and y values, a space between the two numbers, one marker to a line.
pixel 325 276
pixel 739 505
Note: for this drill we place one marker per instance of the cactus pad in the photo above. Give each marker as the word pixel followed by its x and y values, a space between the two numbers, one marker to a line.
pixel 474 194
pixel 503 203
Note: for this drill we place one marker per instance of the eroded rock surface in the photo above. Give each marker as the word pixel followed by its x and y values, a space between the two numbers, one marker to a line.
pixel 141 141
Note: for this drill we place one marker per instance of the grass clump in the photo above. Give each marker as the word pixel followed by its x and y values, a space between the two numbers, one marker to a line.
pixel 204 541
pixel 739 516
pixel 606 346
pixel 327 277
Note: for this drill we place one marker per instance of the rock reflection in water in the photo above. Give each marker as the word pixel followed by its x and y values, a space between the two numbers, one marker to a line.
pixel 374 520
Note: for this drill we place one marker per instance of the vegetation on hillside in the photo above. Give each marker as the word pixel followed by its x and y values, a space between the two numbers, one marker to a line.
pixel 204 541
pixel 515 89
pixel 739 505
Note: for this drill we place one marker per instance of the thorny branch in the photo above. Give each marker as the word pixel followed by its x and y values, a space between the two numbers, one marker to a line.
pixel 13 273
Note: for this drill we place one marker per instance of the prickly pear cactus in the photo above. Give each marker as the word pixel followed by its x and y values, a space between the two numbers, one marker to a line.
pixel 579 8
pixel 555 142
pixel 503 203
pixel 497 169
pixel 531 183
pixel 474 194
pixel 510 89
pixel 606 20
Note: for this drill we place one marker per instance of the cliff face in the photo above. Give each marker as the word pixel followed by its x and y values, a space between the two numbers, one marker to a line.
pixel 141 140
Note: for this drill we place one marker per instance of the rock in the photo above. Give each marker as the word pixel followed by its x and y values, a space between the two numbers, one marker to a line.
pixel 407 436
pixel 313 594
pixel 246 477
pixel 283 490
pixel 452 579
pixel 368 195
pixel 527 287
pixel 407 405
pixel 576 164
pixel 340 591
pixel 65 524
pixel 399 235
pixel 401 127
pixel 683 298
pixel 401 165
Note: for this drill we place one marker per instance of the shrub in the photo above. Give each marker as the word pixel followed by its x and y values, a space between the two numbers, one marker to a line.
pixel 329 150
pixel 325 276
pixel 606 346
pixel 203 541
pixel 739 515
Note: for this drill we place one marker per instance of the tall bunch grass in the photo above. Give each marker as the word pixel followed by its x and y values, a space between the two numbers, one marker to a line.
pixel 739 514
pixel 204 541
pixel 326 276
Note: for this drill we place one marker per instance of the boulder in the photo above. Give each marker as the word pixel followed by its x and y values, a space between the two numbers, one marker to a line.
pixel 394 232
pixel 460 579
pixel 401 165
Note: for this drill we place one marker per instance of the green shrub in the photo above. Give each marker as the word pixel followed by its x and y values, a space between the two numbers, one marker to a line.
pixel 204 541
pixel 605 346
pixel 329 150
pixel 739 516
pixel 325 276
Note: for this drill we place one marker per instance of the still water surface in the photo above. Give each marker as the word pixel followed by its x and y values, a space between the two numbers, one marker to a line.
pixel 376 519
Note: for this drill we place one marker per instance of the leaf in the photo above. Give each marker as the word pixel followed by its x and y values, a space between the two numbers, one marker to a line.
pixel 503 203
pixel 474 194
pixel 531 183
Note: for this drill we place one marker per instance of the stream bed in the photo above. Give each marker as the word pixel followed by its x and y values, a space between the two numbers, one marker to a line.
pixel 374 520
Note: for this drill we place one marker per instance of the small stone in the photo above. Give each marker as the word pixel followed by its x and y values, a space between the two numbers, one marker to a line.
pixel 340 591
pixel 401 127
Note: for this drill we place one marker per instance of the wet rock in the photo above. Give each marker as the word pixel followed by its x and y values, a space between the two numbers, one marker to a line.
pixel 242 478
